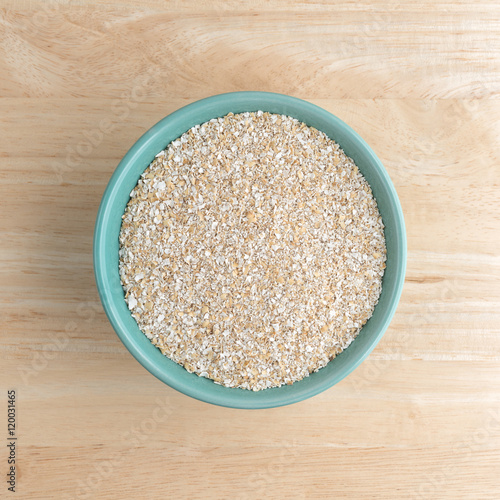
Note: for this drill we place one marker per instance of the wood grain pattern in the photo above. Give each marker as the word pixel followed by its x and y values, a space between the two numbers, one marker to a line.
pixel 80 83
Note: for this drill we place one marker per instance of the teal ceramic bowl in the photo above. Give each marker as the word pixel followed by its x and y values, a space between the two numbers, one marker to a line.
pixel 115 200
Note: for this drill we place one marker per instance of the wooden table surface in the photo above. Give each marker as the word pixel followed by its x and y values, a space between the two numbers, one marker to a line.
pixel 420 418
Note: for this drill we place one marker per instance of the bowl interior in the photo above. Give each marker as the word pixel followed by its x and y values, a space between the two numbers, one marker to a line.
pixel 116 198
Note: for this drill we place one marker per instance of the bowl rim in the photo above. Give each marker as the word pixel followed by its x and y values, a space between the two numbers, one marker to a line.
pixel 108 300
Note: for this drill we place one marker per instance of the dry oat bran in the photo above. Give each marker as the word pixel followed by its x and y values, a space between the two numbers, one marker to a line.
pixel 252 250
